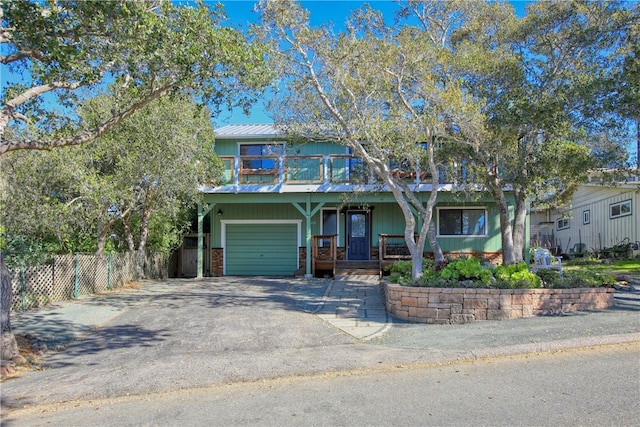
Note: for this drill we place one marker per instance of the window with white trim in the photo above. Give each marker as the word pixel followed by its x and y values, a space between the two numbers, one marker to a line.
pixel 617 210
pixel 562 224
pixel 462 222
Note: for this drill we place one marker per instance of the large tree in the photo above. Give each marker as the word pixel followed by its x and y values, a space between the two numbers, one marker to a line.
pixel 143 49
pixel 544 80
pixel 151 47
pixel 152 163
pixel 381 91
pixel 142 172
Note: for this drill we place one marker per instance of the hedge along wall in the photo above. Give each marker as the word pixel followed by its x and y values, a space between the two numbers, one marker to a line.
pixel 452 305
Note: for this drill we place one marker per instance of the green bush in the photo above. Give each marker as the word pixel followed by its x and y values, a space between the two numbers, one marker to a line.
pixel 550 278
pixel 400 272
pixel 516 276
pixel 468 272
pixel 586 279
pixel 574 279
pixel 467 269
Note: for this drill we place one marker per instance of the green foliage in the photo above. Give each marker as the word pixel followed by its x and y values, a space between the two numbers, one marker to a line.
pixel 151 48
pixel 22 252
pixel 582 278
pixel 586 278
pixel 550 278
pixel 134 184
pixel 516 276
pixel 401 273
pixel 467 269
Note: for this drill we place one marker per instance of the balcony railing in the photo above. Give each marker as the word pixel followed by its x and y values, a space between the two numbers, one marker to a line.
pixel 315 169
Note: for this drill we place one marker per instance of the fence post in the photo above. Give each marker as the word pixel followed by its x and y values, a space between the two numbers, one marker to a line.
pixel 23 290
pixel 109 271
pixel 76 283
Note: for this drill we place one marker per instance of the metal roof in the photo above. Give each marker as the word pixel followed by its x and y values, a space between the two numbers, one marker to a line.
pixel 247 131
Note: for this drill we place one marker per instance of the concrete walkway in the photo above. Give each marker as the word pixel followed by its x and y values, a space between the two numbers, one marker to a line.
pixel 354 304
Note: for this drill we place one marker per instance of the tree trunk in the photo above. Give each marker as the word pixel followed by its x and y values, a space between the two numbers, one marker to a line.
pixel 431 203
pixel 102 239
pixel 126 221
pixel 8 344
pixel 506 230
pixel 519 227
pixel 142 244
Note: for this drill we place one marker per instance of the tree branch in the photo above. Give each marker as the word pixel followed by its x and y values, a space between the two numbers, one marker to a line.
pixel 21 54
pixel 39 90
pixel 12 145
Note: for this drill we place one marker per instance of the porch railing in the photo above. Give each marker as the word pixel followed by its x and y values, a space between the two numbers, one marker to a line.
pixel 313 169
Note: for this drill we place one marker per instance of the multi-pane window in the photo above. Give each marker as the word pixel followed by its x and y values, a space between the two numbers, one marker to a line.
pixel 619 209
pixel 260 150
pixel 562 224
pixel 462 222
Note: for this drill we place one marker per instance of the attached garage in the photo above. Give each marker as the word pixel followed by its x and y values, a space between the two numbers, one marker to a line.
pixel 261 248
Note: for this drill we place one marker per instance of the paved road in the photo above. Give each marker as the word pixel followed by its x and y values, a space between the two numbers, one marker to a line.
pixel 581 387
pixel 181 335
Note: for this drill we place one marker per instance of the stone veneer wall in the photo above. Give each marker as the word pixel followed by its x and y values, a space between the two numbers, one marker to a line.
pixel 452 305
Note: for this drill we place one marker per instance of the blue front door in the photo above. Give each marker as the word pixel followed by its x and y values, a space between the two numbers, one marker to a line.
pixel 358 236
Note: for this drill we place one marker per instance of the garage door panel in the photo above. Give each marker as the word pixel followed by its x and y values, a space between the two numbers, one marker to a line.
pixel 261 249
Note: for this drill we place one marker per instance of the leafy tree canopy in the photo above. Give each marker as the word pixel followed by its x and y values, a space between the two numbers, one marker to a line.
pixel 146 49
pixel 132 186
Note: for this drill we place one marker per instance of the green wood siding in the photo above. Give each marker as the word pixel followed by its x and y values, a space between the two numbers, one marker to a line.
pixel 386 216
pixel 261 249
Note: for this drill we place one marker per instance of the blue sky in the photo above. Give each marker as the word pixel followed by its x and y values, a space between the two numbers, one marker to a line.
pixel 240 12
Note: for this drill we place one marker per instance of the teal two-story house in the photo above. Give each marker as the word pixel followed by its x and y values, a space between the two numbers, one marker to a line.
pixel 277 194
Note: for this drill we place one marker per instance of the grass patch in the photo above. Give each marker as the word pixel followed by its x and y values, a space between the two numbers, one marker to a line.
pixel 631 267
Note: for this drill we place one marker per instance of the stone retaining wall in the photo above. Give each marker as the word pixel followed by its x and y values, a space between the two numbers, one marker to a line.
pixel 449 305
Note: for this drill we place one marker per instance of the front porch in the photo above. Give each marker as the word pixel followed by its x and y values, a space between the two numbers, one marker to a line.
pixel 272 234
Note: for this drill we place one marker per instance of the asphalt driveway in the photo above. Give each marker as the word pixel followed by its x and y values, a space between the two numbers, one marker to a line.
pixel 182 334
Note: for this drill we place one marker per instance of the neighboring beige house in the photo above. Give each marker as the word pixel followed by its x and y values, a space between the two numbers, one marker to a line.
pixel 600 216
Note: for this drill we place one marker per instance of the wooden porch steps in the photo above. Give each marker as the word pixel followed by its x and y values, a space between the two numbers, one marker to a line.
pixel 357 268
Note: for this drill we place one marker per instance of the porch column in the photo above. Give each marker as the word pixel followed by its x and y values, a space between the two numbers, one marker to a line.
pixel 202 212
pixel 308 214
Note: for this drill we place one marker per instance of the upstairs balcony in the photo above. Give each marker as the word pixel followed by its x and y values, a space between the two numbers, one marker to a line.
pixel 267 173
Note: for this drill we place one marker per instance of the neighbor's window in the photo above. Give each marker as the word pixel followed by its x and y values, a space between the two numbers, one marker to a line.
pixel 619 209
pixel 562 224
pixel 586 217
pixel 462 222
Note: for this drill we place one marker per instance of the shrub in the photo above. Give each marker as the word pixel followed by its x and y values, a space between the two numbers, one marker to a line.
pixel 400 272
pixel 467 269
pixel 574 279
pixel 550 278
pixel 468 272
pixel 516 276
pixel 586 279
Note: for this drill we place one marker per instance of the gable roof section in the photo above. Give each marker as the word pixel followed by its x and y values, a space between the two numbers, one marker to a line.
pixel 247 131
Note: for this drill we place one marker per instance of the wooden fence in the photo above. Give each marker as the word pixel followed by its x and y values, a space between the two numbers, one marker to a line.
pixel 70 276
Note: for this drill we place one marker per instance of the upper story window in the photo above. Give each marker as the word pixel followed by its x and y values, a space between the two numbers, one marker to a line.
pixel 562 223
pixel 255 151
pixel 616 210
pixel 462 222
